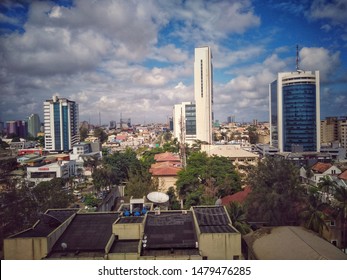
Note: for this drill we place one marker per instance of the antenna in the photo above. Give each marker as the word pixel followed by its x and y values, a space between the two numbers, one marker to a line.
pixel 297 57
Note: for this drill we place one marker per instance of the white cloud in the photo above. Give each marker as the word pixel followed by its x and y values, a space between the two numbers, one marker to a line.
pixel 319 59
pixel 335 10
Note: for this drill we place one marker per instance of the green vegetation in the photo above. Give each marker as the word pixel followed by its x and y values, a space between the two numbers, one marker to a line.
pixel 277 193
pixel 206 178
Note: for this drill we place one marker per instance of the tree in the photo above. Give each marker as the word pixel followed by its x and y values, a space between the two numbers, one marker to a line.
pixel 206 178
pixel 101 134
pixel 140 184
pixel 313 215
pixel 104 177
pixel 83 133
pixel 50 194
pixel 237 215
pixel 121 164
pixel 277 194
pixel 253 135
pixel 173 201
pixel 91 162
pixel 340 195
pixel 326 185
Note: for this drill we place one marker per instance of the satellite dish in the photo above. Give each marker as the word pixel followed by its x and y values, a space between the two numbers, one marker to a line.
pixel 63 245
pixel 158 197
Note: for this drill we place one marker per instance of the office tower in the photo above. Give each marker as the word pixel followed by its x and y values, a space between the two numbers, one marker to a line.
pixel 34 125
pixel 11 128
pixel 184 122
pixel 61 124
pixel 295 111
pixel 16 128
pixel 203 92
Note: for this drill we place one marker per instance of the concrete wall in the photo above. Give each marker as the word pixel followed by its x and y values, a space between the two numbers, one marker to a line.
pixel 25 248
pixel 128 231
pixel 220 246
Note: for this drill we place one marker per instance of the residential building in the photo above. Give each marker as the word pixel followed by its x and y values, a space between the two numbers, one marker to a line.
pixel 184 120
pixel 34 125
pixel 203 93
pixel 165 170
pixel 203 232
pixel 61 124
pixel 334 130
pixel 295 111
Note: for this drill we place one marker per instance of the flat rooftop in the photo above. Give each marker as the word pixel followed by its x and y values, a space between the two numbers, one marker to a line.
pixel 169 230
pixel 213 220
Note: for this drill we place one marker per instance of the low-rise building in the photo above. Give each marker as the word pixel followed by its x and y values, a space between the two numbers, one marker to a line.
pixel 59 169
pixel 199 233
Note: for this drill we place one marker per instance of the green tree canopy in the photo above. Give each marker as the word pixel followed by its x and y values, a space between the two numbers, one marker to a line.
pixel 206 178
pixel 101 134
pixel 277 193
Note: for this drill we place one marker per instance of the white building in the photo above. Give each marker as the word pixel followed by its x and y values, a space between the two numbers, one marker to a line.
pixel 184 122
pixel 295 111
pixel 61 124
pixel 203 92
pixel 59 169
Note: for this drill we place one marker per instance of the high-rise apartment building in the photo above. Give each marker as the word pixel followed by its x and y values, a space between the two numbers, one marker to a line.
pixel 184 122
pixel 334 129
pixel 203 93
pixel 34 125
pixel 61 124
pixel 295 111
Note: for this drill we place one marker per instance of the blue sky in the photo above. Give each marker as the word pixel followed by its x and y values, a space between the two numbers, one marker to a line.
pixel 136 58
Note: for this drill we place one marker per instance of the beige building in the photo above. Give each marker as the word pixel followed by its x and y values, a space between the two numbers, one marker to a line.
pixel 235 153
pixel 334 129
pixel 199 233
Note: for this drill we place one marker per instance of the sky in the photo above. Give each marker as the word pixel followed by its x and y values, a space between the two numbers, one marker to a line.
pixel 135 58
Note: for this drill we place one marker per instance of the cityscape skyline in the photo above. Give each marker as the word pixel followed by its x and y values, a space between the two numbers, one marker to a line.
pixel 100 57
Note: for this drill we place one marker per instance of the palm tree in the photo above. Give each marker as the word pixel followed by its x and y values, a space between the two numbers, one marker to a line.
pixel 313 215
pixel 326 185
pixel 238 217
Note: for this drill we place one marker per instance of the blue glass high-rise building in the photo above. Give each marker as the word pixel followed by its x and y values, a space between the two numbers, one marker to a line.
pixel 295 111
pixel 61 124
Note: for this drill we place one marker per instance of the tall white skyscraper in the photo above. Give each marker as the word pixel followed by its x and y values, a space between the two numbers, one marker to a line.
pixel 203 92
pixel 295 111
pixel 61 124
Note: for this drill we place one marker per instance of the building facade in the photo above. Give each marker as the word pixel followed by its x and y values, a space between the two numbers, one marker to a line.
pixel 295 111
pixel 203 92
pixel 34 125
pixel 184 120
pixel 61 124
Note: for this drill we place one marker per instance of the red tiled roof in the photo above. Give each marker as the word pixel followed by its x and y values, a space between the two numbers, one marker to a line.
pixel 321 167
pixel 163 164
pixel 343 175
pixel 165 168
pixel 167 156
pixel 238 197
pixel 165 171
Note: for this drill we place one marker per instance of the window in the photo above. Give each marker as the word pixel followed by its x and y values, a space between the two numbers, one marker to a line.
pixel 332 223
